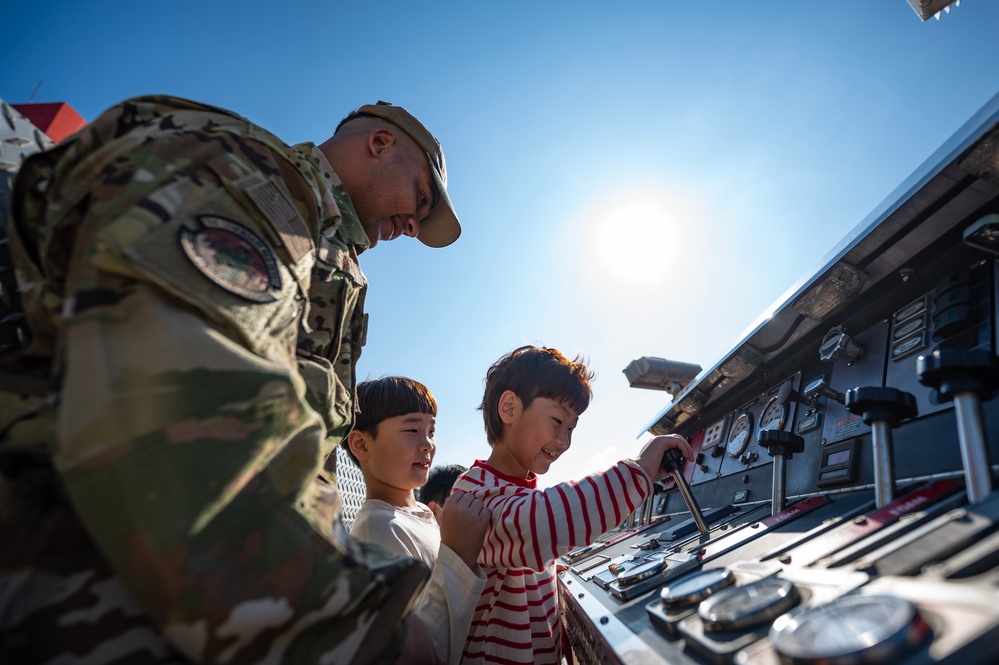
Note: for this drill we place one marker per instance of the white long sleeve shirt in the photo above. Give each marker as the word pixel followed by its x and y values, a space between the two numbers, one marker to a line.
pixel 448 601
pixel 517 617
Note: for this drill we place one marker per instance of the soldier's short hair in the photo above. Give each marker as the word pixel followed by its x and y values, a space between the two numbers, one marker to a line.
pixel 388 397
pixel 531 372
pixel 353 115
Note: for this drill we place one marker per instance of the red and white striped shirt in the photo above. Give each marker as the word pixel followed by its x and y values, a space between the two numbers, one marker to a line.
pixel 517 618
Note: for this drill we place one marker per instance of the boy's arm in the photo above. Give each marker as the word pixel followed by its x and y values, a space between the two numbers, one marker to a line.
pixel 532 528
pixel 449 599
pixel 448 603
pixel 457 581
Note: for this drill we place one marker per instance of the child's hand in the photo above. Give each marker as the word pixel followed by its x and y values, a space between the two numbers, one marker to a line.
pixel 652 454
pixel 463 526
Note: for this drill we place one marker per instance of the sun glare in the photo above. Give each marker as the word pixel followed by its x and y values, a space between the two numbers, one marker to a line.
pixel 637 239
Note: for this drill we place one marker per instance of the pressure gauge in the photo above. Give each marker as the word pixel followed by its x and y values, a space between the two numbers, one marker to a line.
pixel 851 629
pixel 772 417
pixel 748 606
pixel 738 434
pixel 695 587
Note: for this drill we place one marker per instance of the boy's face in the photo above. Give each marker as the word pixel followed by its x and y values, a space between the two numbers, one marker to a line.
pixel 534 437
pixel 400 455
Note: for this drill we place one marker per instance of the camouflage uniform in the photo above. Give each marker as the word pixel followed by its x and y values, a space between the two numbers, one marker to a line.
pixel 193 292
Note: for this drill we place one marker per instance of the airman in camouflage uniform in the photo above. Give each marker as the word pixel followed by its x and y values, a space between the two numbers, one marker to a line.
pixel 194 298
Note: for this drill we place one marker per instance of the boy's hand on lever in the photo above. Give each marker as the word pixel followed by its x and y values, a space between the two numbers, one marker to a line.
pixel 652 453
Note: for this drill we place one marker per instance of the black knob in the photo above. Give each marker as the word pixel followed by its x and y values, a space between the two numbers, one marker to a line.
pixel 673 460
pixel 877 404
pixel 781 443
pixel 951 371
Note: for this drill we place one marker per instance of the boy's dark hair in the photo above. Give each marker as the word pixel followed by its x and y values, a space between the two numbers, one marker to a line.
pixel 388 397
pixel 531 372
pixel 439 483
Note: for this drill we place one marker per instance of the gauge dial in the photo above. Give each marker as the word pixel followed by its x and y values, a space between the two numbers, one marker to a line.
pixel 749 605
pixel 772 417
pixel 852 629
pixel 738 434
pixel 692 589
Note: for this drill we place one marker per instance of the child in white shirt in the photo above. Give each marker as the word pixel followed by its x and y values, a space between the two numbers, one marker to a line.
pixel 393 443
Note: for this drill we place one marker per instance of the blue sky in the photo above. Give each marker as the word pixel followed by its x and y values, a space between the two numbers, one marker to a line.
pixel 634 178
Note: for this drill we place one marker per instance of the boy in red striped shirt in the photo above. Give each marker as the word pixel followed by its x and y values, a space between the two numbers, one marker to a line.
pixel 533 399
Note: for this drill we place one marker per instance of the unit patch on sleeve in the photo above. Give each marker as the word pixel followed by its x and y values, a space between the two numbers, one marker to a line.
pixel 233 257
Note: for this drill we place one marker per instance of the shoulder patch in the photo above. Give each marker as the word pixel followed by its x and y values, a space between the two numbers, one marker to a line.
pixel 286 221
pixel 234 257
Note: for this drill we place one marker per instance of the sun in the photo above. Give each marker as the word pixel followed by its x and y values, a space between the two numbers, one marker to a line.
pixel 637 238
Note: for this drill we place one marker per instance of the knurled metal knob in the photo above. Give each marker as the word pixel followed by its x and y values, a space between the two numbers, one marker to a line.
pixel 951 371
pixel 781 443
pixel 877 404
pixel 673 460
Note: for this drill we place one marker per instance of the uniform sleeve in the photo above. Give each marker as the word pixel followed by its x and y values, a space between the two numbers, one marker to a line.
pixel 184 440
pixel 531 528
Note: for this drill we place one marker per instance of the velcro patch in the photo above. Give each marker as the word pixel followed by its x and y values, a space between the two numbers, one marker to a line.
pixel 282 214
pixel 234 257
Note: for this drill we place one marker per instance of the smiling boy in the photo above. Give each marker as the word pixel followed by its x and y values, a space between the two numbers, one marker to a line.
pixel 532 403
pixel 393 443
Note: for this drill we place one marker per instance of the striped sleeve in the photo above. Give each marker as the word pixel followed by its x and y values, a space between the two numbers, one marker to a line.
pixel 531 528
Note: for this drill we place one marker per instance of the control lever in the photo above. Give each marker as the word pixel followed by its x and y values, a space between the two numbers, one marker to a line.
pixel 673 462
pixel 967 378
pixel 786 392
pixel 882 409
pixel 647 513
pixel 810 392
pixel 782 447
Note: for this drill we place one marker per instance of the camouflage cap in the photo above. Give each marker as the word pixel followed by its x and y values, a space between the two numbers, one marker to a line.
pixel 441 227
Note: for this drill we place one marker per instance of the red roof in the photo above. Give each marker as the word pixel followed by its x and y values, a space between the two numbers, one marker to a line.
pixel 57 119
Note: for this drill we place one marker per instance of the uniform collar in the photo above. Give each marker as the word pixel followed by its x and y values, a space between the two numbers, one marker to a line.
pixel 338 213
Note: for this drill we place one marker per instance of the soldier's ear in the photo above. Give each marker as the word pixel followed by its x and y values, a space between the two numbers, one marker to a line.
pixel 380 140
pixel 358 444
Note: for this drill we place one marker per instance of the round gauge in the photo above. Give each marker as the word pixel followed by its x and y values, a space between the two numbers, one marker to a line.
pixel 772 417
pixel 748 606
pixel 850 629
pixel 695 587
pixel 738 434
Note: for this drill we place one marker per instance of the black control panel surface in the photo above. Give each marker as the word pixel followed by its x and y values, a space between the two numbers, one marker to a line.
pixel 847 451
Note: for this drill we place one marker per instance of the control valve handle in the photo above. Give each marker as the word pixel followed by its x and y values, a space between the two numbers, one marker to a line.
pixel 673 462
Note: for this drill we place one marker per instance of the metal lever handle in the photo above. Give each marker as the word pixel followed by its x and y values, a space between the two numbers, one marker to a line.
pixel 673 462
